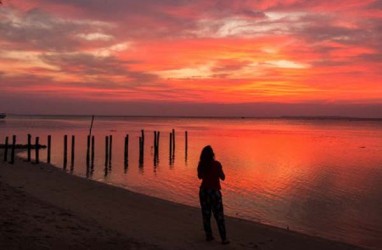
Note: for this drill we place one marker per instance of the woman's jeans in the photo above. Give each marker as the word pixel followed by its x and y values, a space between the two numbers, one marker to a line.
pixel 211 201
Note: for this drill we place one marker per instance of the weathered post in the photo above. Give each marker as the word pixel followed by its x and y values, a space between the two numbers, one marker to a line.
pixel 106 150
pixel 37 150
pixel 158 136
pixel 140 149
pixel 173 141
pixel 141 156
pixel 186 144
pixel 92 156
pixel 186 140
pixel 106 155
pixel 13 149
pixel 110 149
pixel 143 143
pixel 6 149
pixel 170 143
pixel 155 148
pixel 126 152
pixel 49 148
pixel 72 152
pixel 29 147
pixel 65 150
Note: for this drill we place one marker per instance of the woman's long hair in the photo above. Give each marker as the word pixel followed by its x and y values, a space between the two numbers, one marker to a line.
pixel 206 157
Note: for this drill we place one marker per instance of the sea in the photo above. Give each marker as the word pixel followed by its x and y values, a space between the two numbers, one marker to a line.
pixel 318 176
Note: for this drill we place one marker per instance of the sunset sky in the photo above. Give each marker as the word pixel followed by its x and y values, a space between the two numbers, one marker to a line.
pixel 191 57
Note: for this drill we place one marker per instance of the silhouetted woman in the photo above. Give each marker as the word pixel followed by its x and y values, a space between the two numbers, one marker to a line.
pixel 211 172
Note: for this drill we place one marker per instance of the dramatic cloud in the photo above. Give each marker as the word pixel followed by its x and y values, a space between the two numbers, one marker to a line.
pixel 38 30
pixel 90 65
pixel 193 51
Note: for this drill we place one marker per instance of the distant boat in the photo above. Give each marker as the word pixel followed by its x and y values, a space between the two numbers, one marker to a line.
pixel 2 115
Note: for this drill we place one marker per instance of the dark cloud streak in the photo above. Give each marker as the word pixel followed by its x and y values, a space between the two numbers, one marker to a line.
pixel 38 30
pixel 86 64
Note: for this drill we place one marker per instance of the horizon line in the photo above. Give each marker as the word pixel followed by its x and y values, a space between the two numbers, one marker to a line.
pixel 293 117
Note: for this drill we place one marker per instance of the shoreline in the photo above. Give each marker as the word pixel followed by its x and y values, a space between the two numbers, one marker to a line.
pixel 128 220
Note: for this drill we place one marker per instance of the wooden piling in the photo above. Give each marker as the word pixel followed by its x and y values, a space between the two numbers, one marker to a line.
pixel 170 144
pixel 155 148
pixel 106 155
pixel 72 151
pixel 157 143
pixel 49 148
pixel 65 151
pixel 110 149
pixel 143 143
pixel 186 144
pixel 106 150
pixel 140 149
pixel 6 149
pixel 141 146
pixel 173 140
pixel 29 147
pixel 93 152
pixel 126 152
pixel 141 154
pixel 186 140
pixel 13 149
pixel 37 150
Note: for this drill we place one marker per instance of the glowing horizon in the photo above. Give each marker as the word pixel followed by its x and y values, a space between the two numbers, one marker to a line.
pixel 222 52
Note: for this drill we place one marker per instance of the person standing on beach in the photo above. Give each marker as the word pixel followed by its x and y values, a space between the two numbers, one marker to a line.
pixel 211 172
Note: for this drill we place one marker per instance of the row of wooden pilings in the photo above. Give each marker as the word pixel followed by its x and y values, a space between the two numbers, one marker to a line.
pixel 90 151
pixel 29 148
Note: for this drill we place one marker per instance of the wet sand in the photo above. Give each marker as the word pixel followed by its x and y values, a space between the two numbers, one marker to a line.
pixel 42 207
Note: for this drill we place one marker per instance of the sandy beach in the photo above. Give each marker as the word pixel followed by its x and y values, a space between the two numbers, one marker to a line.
pixel 43 207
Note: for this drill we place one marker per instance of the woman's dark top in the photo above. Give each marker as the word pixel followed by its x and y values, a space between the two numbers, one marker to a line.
pixel 211 173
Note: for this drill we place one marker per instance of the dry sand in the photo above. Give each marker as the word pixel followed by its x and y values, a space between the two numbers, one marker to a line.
pixel 43 207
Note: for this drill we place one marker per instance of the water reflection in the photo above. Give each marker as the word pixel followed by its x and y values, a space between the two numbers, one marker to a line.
pixel 320 178
pixel 141 167
pixel 126 166
pixel 89 172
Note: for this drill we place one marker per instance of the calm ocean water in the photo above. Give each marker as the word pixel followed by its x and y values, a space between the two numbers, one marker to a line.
pixel 320 177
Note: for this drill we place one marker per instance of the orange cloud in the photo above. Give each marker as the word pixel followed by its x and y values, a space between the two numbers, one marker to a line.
pixel 222 52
